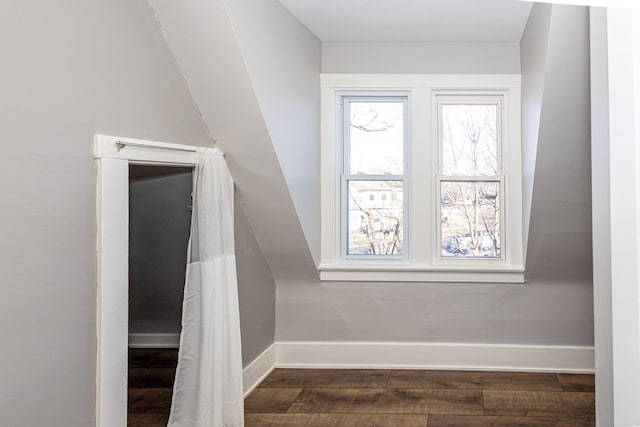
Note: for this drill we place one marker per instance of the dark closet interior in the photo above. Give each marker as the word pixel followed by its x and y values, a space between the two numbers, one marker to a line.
pixel 159 222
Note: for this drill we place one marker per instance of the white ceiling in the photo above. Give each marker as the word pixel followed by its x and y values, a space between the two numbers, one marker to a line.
pixel 412 20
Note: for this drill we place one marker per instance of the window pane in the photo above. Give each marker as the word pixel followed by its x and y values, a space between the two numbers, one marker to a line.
pixel 470 218
pixel 375 218
pixel 376 132
pixel 469 139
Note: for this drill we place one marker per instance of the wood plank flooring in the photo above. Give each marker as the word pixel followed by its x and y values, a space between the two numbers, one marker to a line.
pixel 151 375
pixel 380 398
pixel 396 398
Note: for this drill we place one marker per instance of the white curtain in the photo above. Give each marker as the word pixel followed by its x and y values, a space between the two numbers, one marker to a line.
pixel 208 390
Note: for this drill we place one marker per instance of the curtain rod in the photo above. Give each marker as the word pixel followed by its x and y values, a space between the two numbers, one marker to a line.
pixel 121 144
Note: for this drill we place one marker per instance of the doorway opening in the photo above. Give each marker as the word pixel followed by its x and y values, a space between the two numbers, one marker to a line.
pixel 159 226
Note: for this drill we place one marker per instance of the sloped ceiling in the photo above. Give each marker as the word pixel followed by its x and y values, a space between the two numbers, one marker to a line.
pixel 412 20
pixel 204 41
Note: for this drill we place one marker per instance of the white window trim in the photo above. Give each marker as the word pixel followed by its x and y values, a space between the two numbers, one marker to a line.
pixel 422 263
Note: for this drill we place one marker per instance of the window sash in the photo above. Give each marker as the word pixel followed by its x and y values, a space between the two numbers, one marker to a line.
pixel 470 99
pixel 345 135
pixel 344 218
pixel 503 230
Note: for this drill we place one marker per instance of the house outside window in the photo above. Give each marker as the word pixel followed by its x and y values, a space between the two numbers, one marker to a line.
pixel 421 178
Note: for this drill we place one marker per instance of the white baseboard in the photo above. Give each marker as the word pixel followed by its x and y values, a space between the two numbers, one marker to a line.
pixel 259 369
pixel 367 355
pixel 154 340
pixel 493 357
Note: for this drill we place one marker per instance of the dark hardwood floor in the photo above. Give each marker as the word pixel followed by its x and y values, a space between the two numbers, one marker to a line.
pixel 151 374
pixel 381 398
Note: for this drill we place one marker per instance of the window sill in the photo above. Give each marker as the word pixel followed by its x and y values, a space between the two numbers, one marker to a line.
pixel 416 273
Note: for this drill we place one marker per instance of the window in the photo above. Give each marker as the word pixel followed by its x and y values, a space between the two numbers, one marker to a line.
pixel 421 178
pixel 470 175
pixel 373 138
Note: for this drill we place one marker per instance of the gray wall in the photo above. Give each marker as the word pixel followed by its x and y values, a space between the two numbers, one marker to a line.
pixel 256 290
pixel 554 307
pixel 283 60
pixel 69 69
pixel 421 58
pixel 559 246
pixel 533 55
pixel 159 223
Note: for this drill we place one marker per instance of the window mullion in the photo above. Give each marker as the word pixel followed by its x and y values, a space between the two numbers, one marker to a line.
pixel 362 177
pixel 469 178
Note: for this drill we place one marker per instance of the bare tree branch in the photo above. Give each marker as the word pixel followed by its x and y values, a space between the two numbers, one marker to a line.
pixel 365 127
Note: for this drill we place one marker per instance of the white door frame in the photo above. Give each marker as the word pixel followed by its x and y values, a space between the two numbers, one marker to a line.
pixel 113 160
pixel 622 348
